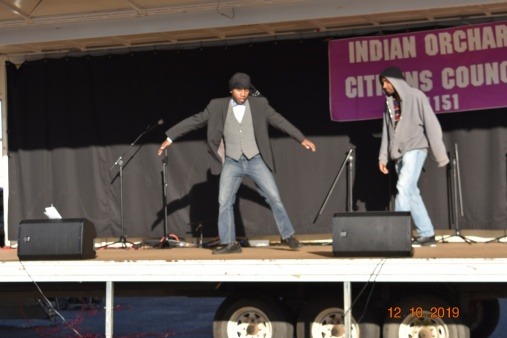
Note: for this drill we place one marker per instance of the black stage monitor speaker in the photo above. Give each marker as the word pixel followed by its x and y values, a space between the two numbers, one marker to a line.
pixel 372 234
pixel 56 239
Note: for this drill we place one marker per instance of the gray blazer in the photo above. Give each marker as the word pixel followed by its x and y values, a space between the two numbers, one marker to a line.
pixel 214 116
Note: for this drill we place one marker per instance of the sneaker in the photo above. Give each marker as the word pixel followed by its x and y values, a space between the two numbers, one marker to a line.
pixel 234 247
pixel 293 243
pixel 424 241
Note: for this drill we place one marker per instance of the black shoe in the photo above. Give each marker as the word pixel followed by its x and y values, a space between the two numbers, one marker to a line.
pixel 424 241
pixel 292 243
pixel 234 247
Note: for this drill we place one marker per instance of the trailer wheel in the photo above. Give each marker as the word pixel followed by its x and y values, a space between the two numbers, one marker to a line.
pixel 324 318
pixel 252 317
pixel 418 317
pixel 485 317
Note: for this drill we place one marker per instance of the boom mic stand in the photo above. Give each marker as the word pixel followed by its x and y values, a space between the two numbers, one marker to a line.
pixel 120 163
pixel 456 201
pixel 348 160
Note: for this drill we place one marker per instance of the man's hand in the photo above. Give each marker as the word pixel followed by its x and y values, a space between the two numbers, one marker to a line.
pixel 308 145
pixel 383 168
pixel 164 145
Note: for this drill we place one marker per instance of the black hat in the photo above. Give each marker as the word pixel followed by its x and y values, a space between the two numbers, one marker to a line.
pixel 239 81
pixel 393 72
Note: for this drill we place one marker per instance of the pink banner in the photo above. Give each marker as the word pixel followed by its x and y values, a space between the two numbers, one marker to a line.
pixel 459 69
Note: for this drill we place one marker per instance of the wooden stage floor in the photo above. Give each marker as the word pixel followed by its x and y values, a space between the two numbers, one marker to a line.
pixel 482 247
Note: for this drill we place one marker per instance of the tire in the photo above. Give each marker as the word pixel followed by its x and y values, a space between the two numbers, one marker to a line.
pixel 367 330
pixel 486 314
pixel 422 323
pixel 252 317
pixel 325 318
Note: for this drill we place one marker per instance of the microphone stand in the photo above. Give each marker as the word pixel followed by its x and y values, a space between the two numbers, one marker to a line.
pixel 457 198
pixel 120 163
pixel 348 160
pixel 164 242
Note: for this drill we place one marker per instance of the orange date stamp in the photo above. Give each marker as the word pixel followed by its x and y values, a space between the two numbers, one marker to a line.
pixel 395 312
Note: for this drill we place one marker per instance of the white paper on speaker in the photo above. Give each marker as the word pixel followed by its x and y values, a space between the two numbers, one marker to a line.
pixel 52 213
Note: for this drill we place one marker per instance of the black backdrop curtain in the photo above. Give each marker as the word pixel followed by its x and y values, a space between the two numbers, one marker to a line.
pixel 70 119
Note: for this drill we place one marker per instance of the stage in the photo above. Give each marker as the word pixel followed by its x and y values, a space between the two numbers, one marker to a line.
pixel 483 260
pixel 195 272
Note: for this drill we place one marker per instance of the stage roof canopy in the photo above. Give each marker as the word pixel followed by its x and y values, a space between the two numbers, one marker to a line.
pixel 35 27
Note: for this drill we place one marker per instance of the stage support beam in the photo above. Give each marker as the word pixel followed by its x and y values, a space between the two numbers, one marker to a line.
pixel 109 309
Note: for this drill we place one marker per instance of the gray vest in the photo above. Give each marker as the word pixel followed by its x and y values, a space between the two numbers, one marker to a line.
pixel 240 137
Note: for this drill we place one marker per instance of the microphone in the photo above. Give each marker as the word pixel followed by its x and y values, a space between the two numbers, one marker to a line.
pixel 148 129
pixel 254 91
pixel 154 125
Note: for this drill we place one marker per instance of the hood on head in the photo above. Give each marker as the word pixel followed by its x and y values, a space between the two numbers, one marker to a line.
pixel 396 78
pixel 392 72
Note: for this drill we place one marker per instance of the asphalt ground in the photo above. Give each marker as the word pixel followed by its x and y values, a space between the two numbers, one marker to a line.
pixel 143 317
pixel 133 317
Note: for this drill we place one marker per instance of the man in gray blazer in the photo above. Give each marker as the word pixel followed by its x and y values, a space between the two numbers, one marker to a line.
pixel 238 146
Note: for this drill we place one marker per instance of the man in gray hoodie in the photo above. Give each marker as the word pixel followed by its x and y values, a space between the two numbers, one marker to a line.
pixel 410 128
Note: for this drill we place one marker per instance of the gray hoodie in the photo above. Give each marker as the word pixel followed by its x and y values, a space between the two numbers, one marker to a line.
pixel 418 127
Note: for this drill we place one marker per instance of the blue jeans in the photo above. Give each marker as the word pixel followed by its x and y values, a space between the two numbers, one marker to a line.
pixel 230 179
pixel 409 197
